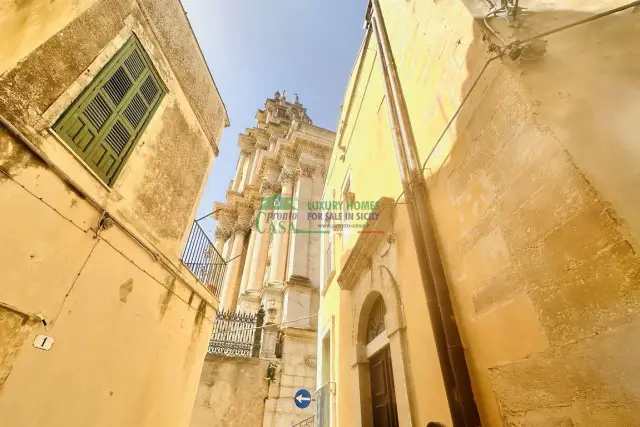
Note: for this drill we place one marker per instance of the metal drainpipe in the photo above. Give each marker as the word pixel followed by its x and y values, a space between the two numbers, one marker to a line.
pixel 464 411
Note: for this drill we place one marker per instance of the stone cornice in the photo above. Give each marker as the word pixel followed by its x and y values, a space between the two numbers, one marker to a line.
pixel 299 283
pixel 360 256
pixel 298 334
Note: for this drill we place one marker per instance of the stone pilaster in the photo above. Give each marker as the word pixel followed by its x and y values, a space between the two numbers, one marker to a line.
pixel 300 300
pixel 231 284
pixel 298 264
pixel 244 155
pixel 280 245
pixel 258 261
pixel 248 258
pixel 249 300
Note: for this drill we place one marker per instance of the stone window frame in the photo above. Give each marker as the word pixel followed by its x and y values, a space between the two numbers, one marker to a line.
pixel 345 191
pixel 44 122
pixel 329 255
pixel 98 87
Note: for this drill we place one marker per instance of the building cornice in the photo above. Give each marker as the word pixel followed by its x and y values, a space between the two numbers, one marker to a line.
pixel 360 256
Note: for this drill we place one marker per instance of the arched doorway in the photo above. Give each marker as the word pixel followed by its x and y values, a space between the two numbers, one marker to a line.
pixel 383 397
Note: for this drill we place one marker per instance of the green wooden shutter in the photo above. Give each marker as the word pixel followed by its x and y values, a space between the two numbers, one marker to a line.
pixel 104 123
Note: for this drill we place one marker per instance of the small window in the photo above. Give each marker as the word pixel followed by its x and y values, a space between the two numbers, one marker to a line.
pixel 329 261
pixel 375 325
pixel 347 199
pixel 104 123
pixel 329 253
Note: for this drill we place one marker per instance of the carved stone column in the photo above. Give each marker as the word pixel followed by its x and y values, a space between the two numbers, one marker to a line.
pixel 222 235
pixel 247 301
pixel 244 156
pixel 280 246
pixel 258 263
pixel 299 254
pixel 248 258
pixel 231 284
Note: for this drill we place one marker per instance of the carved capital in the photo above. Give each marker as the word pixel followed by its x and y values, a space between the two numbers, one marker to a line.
pixel 245 153
pixel 242 228
pixel 223 234
pixel 269 188
pixel 245 217
pixel 305 171
pixel 286 178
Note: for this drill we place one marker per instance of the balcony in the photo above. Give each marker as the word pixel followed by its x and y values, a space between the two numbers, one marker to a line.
pixel 203 260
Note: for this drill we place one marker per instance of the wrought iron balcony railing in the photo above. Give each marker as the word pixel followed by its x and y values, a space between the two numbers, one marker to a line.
pixel 237 333
pixel 204 261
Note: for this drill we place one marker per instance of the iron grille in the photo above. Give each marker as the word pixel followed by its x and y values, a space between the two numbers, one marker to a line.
pixel 204 261
pixel 307 422
pixel 237 334
pixel 323 405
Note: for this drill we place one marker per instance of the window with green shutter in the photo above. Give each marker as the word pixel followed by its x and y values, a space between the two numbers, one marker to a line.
pixel 104 123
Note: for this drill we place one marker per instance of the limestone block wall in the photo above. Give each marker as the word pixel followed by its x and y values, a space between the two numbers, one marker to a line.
pixel 533 209
pixel 231 393
pixel 297 369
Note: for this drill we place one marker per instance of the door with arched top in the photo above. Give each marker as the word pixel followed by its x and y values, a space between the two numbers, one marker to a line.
pixel 383 398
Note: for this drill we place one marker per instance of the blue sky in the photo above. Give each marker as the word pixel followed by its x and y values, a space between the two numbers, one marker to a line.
pixel 255 47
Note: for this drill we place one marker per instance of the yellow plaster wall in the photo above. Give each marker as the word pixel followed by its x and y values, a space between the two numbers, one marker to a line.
pixel 537 235
pixel 24 25
pixel 130 334
pixel 130 323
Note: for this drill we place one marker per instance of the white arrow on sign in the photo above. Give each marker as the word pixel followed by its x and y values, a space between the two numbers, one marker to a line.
pixel 301 399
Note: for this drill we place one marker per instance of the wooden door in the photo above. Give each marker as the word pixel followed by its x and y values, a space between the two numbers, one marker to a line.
pixel 383 396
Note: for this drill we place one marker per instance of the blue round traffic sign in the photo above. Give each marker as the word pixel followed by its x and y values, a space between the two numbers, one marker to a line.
pixel 302 398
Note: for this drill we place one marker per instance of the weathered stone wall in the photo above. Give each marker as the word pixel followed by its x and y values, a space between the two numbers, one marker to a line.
pixel 150 192
pixel 231 393
pixel 534 208
pixel 131 325
pixel 130 332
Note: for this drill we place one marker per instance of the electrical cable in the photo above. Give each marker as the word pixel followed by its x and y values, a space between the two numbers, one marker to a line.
pixel 9 176
pixel 501 52
pixel 265 326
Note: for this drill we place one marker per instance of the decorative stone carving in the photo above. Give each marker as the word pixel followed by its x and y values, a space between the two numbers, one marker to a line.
pixel 223 233
pixel 242 228
pixel 349 197
pixel 269 188
pixel 245 216
pixel 310 360
pixel 286 178
pixel 272 312
pixel 305 170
